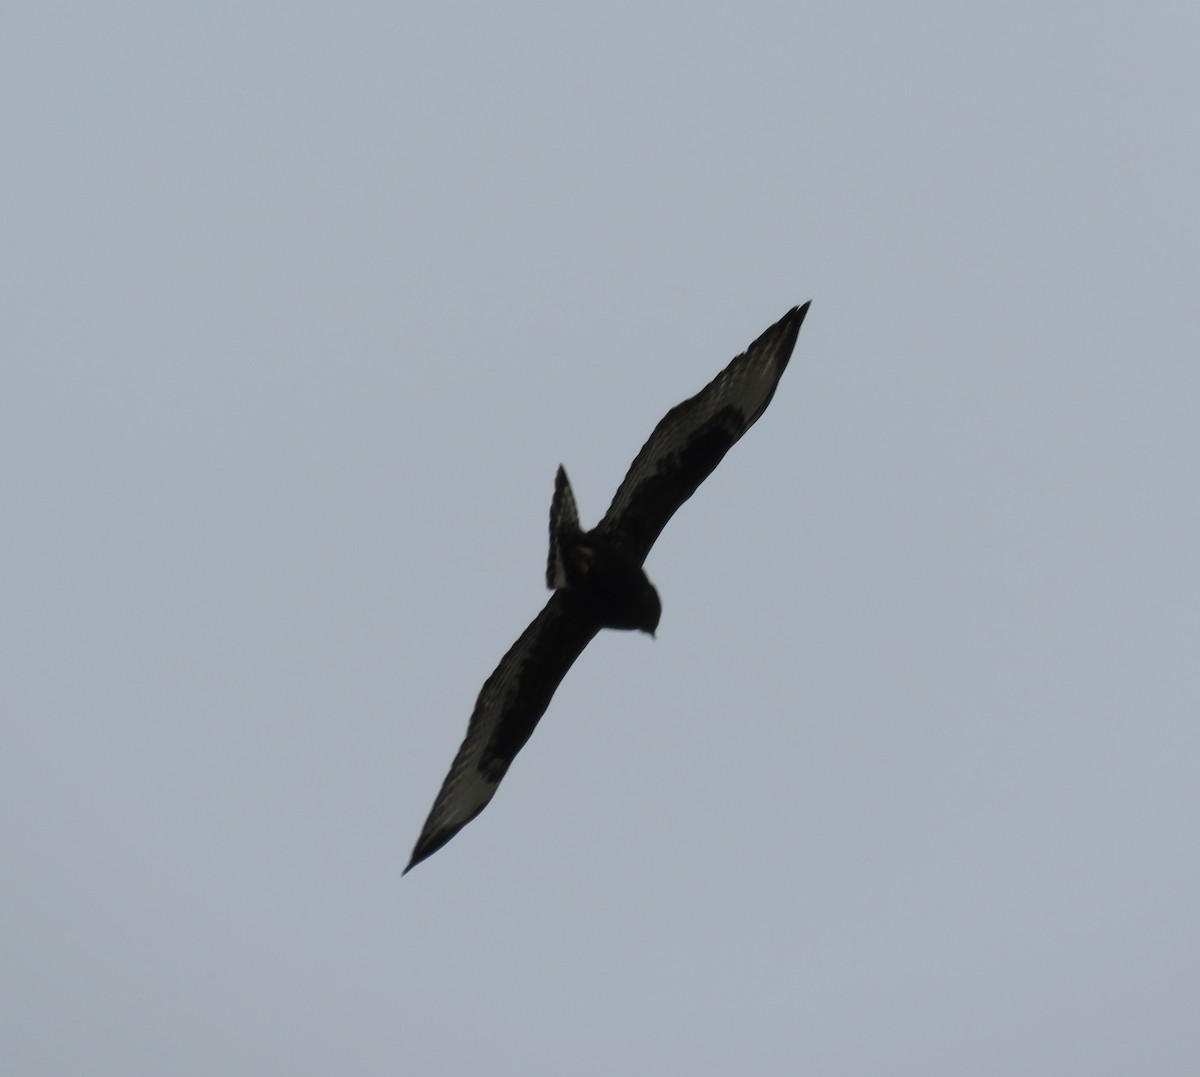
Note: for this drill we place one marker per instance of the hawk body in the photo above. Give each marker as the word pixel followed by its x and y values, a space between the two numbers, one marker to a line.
pixel 601 580
pixel 597 575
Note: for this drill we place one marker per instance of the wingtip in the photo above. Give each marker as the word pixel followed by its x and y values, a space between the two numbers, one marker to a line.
pixel 433 840
pixel 786 330
pixel 423 850
pixel 781 338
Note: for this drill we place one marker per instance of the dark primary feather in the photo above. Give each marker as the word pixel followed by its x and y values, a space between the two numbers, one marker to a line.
pixel 513 698
pixel 694 436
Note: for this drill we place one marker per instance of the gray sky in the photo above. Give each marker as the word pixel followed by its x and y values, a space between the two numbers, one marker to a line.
pixel 303 304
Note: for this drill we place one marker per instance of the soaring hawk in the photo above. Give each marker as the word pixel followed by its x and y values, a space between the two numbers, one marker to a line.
pixel 597 576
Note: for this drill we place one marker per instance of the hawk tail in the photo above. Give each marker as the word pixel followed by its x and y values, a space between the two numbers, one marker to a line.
pixel 564 526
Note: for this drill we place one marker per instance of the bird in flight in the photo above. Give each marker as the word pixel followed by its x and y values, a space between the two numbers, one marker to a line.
pixel 597 576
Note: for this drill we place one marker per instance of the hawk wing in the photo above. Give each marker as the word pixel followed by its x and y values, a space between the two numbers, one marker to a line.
pixel 694 436
pixel 510 704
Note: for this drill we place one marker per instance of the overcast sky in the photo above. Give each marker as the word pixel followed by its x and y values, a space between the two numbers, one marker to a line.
pixel 302 305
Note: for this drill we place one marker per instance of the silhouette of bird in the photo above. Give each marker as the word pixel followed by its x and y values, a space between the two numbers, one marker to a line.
pixel 597 575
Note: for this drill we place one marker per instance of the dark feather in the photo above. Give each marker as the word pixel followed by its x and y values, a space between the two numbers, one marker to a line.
pixel 694 436
pixel 512 701
pixel 564 528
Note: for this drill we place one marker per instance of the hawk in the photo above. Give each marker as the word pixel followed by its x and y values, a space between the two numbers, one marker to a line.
pixel 597 575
